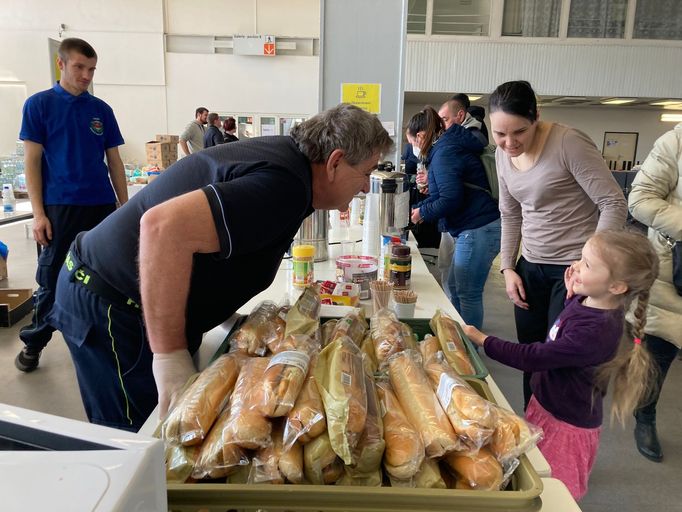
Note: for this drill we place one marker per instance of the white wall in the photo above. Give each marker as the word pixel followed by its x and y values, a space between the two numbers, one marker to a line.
pixel 152 91
pixel 595 121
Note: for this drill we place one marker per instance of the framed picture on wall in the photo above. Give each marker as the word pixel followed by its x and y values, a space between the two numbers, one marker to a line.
pixel 620 149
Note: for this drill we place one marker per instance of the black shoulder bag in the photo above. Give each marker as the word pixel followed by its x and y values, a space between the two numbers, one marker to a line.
pixel 676 248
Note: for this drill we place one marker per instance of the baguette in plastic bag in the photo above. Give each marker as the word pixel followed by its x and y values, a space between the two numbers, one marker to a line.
pixel 513 435
pixel 452 344
pixel 472 416
pixel 199 405
pixel 306 420
pixel 219 456
pixel 341 381
pixel 404 451
pixel 421 404
pixel 387 335
pixel 263 326
pixel 321 465
pixel 304 315
pixel 480 471
pixel 285 374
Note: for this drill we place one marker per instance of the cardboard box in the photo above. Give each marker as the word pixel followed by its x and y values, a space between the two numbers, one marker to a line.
pixel 173 139
pixel 161 162
pixel 15 304
pixel 156 149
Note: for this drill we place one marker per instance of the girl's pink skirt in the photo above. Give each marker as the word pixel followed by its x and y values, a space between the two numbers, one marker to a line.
pixel 570 450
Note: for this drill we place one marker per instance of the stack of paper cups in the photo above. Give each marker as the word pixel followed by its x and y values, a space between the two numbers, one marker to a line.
pixel 355 211
pixel 370 226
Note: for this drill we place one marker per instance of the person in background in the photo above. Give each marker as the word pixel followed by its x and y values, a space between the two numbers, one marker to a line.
pixel 213 135
pixel 192 138
pixel 454 111
pixel 230 128
pixel 555 191
pixel 479 114
pixel 410 160
pixel 67 135
pixel 469 214
pixel 656 200
pixel 214 224
pixel 573 367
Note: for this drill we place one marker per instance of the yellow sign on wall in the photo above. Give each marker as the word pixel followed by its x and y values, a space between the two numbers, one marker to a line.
pixel 365 96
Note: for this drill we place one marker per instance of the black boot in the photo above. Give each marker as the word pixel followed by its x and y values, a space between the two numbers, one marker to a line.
pixel 646 439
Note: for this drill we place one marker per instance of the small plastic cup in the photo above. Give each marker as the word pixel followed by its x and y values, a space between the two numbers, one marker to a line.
pixel 404 309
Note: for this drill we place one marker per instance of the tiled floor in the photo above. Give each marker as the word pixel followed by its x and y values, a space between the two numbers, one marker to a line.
pixel 622 479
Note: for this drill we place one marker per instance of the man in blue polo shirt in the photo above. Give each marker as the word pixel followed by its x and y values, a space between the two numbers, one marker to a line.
pixel 67 133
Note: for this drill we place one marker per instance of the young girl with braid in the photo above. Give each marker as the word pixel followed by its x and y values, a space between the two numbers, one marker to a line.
pixel 571 369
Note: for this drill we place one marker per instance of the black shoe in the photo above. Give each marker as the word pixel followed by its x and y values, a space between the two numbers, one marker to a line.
pixel 27 360
pixel 646 439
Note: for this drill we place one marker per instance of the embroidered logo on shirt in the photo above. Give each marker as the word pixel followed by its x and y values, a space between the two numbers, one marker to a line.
pixel 96 126
pixel 554 330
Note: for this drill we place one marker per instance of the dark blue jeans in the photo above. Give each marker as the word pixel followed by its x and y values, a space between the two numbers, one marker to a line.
pixel 545 296
pixel 67 221
pixel 475 250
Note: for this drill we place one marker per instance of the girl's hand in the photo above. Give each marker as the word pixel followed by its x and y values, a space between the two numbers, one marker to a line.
pixel 514 288
pixel 569 279
pixel 416 217
pixel 474 334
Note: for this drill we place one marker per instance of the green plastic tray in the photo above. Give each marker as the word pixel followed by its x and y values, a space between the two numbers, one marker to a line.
pixel 523 494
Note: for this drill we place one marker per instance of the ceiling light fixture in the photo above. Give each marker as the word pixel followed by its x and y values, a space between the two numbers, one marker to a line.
pixel 666 102
pixel 474 97
pixel 617 101
pixel 671 118
pixel 673 106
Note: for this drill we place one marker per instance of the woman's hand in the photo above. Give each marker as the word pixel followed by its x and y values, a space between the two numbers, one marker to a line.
pixel 569 279
pixel 416 217
pixel 474 334
pixel 514 288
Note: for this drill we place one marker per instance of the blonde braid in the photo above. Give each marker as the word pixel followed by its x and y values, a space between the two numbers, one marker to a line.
pixel 633 372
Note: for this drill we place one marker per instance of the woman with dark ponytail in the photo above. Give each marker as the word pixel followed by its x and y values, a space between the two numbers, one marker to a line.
pixel 573 367
pixel 461 204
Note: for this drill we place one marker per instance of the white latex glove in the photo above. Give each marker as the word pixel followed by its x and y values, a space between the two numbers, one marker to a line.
pixel 171 372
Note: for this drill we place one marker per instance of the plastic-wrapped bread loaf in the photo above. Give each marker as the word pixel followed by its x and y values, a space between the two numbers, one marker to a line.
pixel 275 465
pixel 247 426
pixel 327 329
pixel 304 315
pixel 262 327
pixel 404 451
pixel 370 449
pixel 445 328
pixel 513 435
pixel 180 461
pixel 306 420
pixel 429 476
pixel 429 347
pixel 472 416
pixel 352 325
pixel 320 463
pixel 219 455
pixel 480 471
pixel 198 407
pixel 285 374
pixel 341 381
pixel 387 335
pixel 420 403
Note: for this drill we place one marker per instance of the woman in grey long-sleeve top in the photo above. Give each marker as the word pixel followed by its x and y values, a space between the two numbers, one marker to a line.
pixel 555 191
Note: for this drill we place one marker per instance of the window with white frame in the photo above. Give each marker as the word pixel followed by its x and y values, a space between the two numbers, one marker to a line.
pixel 461 17
pixel 658 19
pixel 531 18
pixel 602 19
pixel 416 17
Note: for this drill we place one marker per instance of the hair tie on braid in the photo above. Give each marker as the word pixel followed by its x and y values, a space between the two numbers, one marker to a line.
pixel 637 341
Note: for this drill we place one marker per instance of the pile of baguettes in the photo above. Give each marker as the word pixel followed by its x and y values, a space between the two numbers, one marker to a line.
pixel 342 403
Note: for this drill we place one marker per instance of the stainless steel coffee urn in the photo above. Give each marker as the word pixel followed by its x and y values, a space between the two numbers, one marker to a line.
pixel 313 232
pixel 393 189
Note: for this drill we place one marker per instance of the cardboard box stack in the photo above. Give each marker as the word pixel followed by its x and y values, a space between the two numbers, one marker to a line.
pixel 163 151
